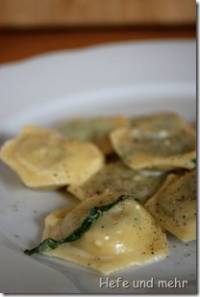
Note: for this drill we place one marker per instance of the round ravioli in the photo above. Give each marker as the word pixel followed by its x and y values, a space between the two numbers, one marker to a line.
pixel 174 206
pixel 120 179
pixel 96 130
pixel 162 149
pixel 44 159
pixel 123 235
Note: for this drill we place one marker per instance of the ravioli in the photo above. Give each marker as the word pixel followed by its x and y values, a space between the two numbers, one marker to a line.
pixel 157 122
pixel 54 218
pixel 96 130
pixel 120 179
pixel 174 206
pixel 156 144
pixel 44 159
pixel 123 235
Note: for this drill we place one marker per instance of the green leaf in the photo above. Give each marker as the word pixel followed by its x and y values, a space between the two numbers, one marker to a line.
pixel 194 161
pixel 94 213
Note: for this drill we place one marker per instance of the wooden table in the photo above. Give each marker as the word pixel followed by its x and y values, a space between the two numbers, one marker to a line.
pixel 19 44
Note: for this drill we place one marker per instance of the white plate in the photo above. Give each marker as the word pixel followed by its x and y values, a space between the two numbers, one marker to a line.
pixel 129 78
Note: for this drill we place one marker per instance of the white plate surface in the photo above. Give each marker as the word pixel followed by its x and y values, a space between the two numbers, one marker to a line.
pixel 129 78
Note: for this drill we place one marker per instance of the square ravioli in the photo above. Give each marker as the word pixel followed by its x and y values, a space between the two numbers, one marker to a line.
pixel 44 159
pixel 162 121
pixel 96 130
pixel 118 178
pixel 161 142
pixel 174 206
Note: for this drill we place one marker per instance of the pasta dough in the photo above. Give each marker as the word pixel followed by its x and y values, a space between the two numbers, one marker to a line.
pixel 156 144
pixel 96 130
pixel 119 179
pixel 174 206
pixel 123 236
pixel 44 159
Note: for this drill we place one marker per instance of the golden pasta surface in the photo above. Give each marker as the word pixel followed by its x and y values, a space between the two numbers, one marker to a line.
pixel 134 178
pixel 44 159
pixel 155 144
pixel 120 179
pixel 94 129
pixel 174 206
pixel 123 236
pixel 163 121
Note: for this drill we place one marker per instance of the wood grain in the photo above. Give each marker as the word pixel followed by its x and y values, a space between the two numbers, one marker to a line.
pixel 19 44
pixel 42 13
